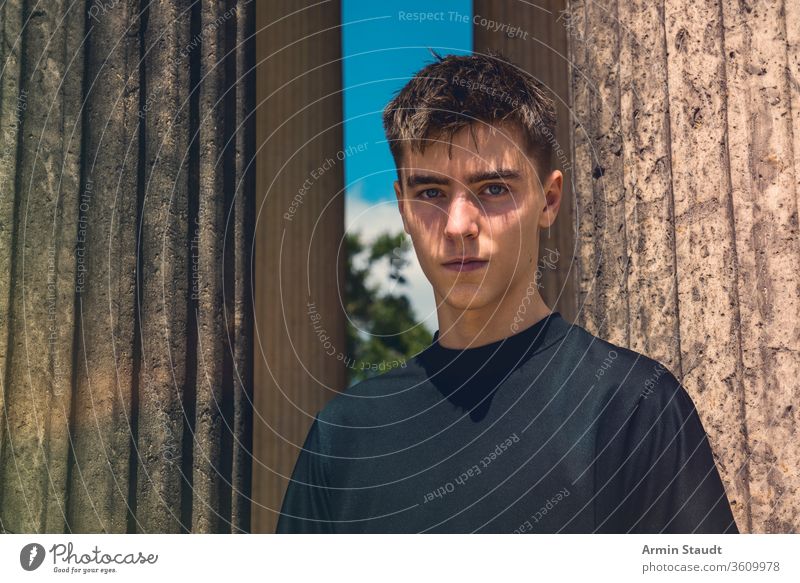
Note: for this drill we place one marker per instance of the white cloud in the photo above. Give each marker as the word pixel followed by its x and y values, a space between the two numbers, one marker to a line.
pixel 371 219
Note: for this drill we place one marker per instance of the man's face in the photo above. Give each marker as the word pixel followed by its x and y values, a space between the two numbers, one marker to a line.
pixel 484 202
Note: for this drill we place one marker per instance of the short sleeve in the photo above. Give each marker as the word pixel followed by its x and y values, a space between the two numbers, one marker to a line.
pixel 305 507
pixel 657 470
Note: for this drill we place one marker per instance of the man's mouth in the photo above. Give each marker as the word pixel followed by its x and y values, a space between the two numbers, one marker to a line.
pixel 466 264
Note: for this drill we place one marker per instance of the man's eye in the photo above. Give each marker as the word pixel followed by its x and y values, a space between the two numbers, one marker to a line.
pixel 495 189
pixel 428 193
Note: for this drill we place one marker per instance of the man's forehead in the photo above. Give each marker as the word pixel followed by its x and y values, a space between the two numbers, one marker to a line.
pixel 467 167
pixel 486 149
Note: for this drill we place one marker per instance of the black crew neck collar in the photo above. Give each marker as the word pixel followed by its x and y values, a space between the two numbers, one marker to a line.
pixel 506 353
pixel 550 325
pixel 469 377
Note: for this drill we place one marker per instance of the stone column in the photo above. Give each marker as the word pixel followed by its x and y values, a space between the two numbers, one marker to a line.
pixel 687 172
pixel 126 226
pixel 299 228
pixel 41 186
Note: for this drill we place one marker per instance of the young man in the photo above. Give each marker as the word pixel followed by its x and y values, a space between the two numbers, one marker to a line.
pixel 513 420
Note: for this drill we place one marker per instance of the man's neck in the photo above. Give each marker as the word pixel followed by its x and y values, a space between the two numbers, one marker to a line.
pixel 460 329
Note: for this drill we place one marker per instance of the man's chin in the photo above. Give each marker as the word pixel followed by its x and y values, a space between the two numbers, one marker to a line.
pixel 466 297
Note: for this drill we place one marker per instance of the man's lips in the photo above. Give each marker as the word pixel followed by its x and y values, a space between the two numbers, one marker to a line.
pixel 467 264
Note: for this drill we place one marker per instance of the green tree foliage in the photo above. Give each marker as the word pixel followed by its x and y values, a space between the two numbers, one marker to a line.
pixel 382 331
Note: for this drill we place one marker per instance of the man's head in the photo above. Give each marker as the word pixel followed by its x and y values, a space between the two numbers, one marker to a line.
pixel 455 92
pixel 472 138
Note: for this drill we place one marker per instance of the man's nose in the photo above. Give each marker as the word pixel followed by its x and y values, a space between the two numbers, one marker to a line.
pixel 462 217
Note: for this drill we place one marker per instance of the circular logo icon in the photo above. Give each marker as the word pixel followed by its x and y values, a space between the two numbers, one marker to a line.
pixel 31 556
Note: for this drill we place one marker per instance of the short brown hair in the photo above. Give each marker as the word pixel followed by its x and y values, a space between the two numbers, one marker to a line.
pixel 455 92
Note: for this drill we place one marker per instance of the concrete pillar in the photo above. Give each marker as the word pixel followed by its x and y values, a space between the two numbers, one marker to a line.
pixel 687 174
pixel 299 227
pixel 126 222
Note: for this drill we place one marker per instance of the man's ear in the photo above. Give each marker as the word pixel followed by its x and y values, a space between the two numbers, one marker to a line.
pixel 398 192
pixel 552 199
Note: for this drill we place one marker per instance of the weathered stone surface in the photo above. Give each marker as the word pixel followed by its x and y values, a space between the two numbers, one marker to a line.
pixel 239 328
pixel 165 224
pixel 39 355
pixel 687 116
pixel 762 127
pixel 126 397
pixel 12 105
pixel 106 277
pixel 704 245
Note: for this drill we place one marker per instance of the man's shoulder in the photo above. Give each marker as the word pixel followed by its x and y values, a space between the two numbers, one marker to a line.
pixel 628 377
pixel 360 404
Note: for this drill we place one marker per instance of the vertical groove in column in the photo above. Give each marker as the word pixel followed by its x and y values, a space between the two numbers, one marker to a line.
pixel 602 238
pixel 242 313
pixel 71 19
pixel 622 243
pixel 647 184
pixel 105 285
pixel 740 490
pixel 38 387
pixel 263 400
pixel 11 111
pixel 703 234
pixel 80 257
pixel 164 240
pixel 227 267
pixel 576 21
pixel 207 268
pixel 572 65
pixel 586 158
pixel 791 12
pixel 191 60
pixel 587 166
pixel 133 525
pixel 676 321
pixel 760 144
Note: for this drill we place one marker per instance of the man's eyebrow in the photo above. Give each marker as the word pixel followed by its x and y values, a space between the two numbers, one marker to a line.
pixel 499 174
pixel 413 180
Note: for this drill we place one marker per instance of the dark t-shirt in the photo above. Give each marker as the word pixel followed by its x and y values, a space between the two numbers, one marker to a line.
pixel 548 430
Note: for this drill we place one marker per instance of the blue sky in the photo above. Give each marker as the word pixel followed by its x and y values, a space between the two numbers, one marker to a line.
pixel 382 50
pixel 384 44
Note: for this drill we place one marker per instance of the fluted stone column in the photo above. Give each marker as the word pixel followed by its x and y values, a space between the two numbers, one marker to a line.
pixel 126 215
pixel 687 173
pixel 41 113
pixel 299 228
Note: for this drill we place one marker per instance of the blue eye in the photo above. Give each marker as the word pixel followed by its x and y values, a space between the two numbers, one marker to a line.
pixel 428 190
pixel 496 189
